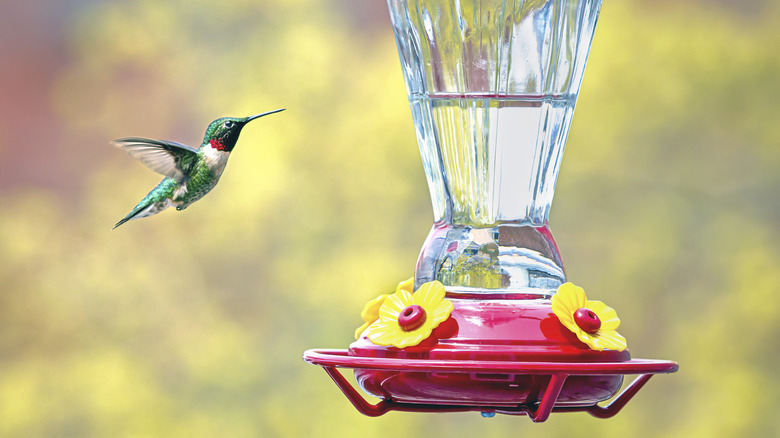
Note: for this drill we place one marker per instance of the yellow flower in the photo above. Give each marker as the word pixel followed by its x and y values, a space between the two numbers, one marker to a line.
pixel 593 322
pixel 370 311
pixel 406 319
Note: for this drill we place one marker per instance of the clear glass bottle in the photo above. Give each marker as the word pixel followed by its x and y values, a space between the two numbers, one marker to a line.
pixel 492 86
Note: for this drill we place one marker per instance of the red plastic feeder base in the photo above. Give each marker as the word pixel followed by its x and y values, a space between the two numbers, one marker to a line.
pixel 551 377
pixel 492 356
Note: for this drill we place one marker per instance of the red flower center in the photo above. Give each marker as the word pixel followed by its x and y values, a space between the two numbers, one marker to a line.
pixel 411 318
pixel 587 320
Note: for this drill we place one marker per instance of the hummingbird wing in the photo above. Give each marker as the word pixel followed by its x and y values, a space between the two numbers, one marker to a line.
pixel 168 158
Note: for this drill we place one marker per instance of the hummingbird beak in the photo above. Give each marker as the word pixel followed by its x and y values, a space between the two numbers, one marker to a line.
pixel 257 116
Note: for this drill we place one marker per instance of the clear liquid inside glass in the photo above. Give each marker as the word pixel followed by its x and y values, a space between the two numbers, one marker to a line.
pixel 492 159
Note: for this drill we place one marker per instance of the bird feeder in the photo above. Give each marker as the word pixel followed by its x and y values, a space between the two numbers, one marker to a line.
pixel 489 322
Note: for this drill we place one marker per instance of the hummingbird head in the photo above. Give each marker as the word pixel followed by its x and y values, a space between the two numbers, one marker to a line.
pixel 222 134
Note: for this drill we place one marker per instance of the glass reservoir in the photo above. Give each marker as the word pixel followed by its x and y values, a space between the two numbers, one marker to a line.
pixel 492 87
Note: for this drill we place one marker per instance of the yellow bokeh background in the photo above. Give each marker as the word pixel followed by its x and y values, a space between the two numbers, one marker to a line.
pixel 192 324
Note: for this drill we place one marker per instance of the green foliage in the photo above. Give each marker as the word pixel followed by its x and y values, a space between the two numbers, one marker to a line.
pixel 193 323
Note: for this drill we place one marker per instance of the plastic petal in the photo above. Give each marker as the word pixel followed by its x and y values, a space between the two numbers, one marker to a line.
pixel 407 285
pixel 371 310
pixel 429 295
pixel 610 339
pixel 565 314
pixel 411 340
pixel 441 312
pixel 383 333
pixel 572 296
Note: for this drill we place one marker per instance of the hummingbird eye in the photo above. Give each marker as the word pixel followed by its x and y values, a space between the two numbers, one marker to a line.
pixel 229 124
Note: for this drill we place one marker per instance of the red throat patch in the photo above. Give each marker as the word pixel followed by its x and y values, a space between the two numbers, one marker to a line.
pixel 216 144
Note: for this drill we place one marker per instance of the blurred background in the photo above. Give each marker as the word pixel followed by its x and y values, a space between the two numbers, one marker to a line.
pixel 193 323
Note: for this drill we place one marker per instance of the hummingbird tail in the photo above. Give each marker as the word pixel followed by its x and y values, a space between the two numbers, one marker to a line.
pixel 132 215
pixel 154 202
pixel 142 210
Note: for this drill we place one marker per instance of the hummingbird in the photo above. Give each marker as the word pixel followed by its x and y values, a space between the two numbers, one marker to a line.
pixel 189 173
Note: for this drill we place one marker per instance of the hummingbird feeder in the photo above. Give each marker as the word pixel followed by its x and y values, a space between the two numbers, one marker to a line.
pixel 489 322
